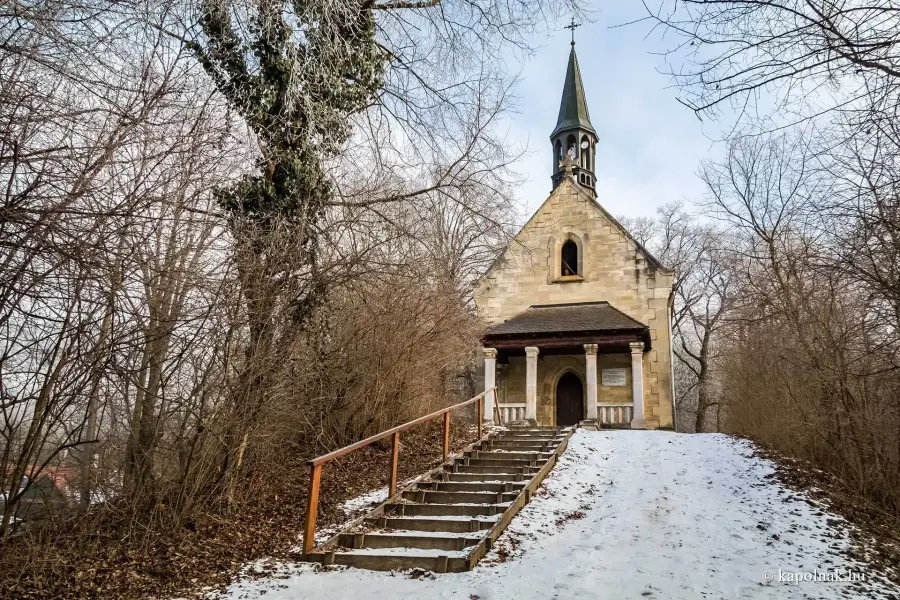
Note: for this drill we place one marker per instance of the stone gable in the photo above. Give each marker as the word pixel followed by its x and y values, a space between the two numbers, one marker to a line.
pixel 613 267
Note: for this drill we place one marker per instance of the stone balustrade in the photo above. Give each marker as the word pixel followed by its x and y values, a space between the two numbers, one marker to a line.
pixel 619 413
pixel 512 412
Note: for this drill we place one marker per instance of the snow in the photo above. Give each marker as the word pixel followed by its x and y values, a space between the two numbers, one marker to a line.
pixel 515 489
pixel 514 451
pixel 409 552
pixel 352 509
pixel 425 534
pixel 631 514
pixel 471 495
pixel 519 483
pixel 453 517
pixel 364 502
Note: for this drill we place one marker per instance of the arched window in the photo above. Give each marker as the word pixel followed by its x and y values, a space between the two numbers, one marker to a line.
pixel 569 259
pixel 571 150
pixel 559 154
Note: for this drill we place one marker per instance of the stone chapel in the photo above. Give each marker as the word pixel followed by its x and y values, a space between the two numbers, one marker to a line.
pixel 578 312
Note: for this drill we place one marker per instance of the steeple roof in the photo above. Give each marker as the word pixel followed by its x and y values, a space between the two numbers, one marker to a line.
pixel 573 108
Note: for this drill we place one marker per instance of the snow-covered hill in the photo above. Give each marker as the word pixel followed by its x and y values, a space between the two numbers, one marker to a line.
pixel 633 514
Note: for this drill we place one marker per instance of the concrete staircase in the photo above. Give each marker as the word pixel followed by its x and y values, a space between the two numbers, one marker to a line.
pixel 448 522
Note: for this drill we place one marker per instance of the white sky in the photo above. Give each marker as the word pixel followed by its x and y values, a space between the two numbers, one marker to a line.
pixel 650 146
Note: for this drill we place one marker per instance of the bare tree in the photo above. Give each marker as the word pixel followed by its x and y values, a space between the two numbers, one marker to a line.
pixel 803 58
pixel 174 337
pixel 808 371
pixel 704 296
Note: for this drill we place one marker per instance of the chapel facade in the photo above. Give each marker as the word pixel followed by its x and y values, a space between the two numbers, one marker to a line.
pixel 578 312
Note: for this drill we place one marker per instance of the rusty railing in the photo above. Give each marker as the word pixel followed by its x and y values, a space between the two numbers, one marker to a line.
pixel 315 476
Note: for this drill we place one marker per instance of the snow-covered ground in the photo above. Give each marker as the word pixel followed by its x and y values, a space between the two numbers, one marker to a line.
pixel 632 514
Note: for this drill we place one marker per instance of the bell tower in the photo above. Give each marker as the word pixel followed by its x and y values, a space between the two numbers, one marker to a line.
pixel 574 137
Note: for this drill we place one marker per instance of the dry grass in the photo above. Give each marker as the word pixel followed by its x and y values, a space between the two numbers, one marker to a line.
pixel 105 556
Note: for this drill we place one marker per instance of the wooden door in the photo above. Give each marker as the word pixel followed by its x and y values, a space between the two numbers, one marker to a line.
pixel 569 400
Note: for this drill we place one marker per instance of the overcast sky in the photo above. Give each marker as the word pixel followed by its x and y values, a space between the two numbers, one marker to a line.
pixel 649 145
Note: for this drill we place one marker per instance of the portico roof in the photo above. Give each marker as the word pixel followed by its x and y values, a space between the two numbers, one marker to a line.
pixel 581 322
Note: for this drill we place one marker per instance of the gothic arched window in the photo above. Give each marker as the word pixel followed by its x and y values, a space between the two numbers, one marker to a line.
pixel 569 259
pixel 571 150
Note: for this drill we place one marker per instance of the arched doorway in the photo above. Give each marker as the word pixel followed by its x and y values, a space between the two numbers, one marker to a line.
pixel 569 400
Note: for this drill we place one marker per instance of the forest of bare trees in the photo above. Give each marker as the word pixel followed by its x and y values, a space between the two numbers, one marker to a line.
pixel 236 233
pixel 787 301
pixel 233 234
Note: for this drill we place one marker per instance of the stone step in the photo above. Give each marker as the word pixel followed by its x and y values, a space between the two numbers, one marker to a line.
pixel 517 447
pixel 423 524
pixel 448 523
pixel 526 442
pixel 520 440
pixel 486 470
pixel 398 540
pixel 433 561
pixel 532 431
pixel 530 440
pixel 511 455
pixel 517 443
pixel 502 462
pixel 481 477
pixel 444 510
pixel 470 486
pixel 433 497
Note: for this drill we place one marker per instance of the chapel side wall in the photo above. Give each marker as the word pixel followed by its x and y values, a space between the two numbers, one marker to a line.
pixel 614 270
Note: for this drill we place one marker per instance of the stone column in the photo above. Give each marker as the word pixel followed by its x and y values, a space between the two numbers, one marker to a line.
pixel 490 380
pixel 590 374
pixel 531 356
pixel 637 385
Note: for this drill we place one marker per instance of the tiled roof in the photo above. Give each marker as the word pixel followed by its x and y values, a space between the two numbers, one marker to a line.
pixel 566 318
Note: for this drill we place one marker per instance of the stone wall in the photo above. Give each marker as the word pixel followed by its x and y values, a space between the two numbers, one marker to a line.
pixel 613 268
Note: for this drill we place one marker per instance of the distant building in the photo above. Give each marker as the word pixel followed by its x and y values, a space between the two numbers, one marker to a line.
pixel 45 490
pixel 579 311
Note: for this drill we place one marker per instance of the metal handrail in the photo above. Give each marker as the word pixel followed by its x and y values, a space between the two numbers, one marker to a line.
pixel 315 477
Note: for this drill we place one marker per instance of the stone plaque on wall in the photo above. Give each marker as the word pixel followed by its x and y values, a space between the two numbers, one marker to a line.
pixel 612 377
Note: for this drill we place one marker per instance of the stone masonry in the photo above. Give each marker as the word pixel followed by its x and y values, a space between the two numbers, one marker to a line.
pixel 613 267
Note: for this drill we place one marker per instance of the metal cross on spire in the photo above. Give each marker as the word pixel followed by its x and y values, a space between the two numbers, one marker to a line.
pixel 572 26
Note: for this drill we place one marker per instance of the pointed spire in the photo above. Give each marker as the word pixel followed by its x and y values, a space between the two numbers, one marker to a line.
pixel 573 109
